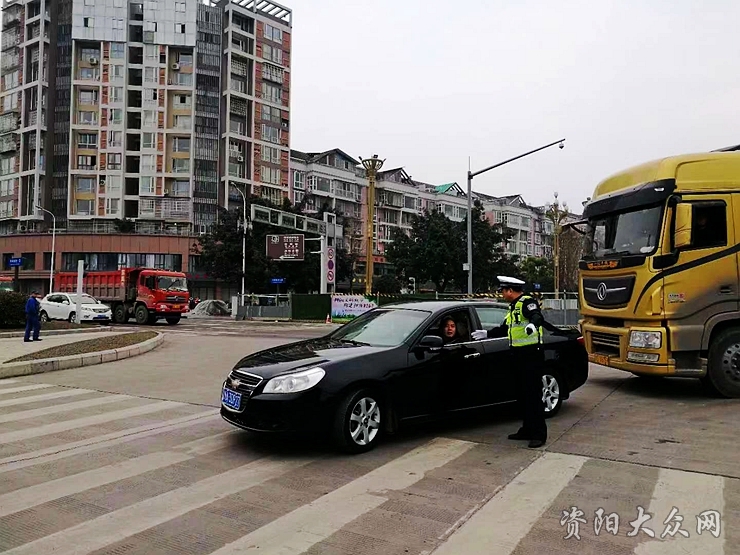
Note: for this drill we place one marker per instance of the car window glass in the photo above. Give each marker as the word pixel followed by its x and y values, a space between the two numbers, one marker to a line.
pixel 382 328
pixel 709 225
pixel 490 317
pixel 460 328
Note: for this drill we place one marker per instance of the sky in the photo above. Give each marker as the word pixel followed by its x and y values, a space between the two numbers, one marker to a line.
pixel 430 84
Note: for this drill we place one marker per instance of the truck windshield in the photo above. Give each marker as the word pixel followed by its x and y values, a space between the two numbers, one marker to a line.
pixel 626 233
pixel 168 283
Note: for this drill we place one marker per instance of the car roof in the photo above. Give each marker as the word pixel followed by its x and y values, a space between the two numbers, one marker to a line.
pixel 436 306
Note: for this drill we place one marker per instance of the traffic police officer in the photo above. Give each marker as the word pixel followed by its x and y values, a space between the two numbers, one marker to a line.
pixel 523 326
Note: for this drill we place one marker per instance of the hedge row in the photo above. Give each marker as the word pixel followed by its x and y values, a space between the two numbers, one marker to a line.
pixel 12 310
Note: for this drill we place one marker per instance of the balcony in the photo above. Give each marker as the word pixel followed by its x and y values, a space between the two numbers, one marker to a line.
pixel 165 209
pixel 10 61
pixel 7 143
pixel 12 16
pixel 10 40
pixel 349 195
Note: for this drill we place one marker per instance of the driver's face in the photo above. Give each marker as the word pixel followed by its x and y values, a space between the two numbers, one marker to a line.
pixel 450 328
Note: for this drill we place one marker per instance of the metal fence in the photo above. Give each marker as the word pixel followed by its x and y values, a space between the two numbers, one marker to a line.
pixel 264 306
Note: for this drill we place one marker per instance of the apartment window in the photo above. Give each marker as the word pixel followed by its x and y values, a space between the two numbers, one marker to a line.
pixel 181 188
pixel 182 122
pixel 87 74
pixel 87 53
pixel 270 175
pixel 113 185
pixel 272 53
pixel 10 81
pixel 180 7
pixel 6 208
pixel 86 162
pixel 87 140
pixel 270 113
pixel 150 96
pixel 184 79
pixel 270 134
pixel 88 22
pixel 147 162
pixel 118 24
pixel 114 161
pixel 85 185
pixel 115 139
pixel 7 187
pixel 149 118
pixel 112 206
pixel 146 206
pixel 116 72
pixel 180 165
pixel 117 94
pixel 181 144
pixel 272 73
pixel 272 93
pixel 184 59
pixel 7 165
pixel 148 140
pixel 146 185
pixel 115 116
pixel 298 180
pixel 538 251
pixel 181 101
pixel 10 101
pixel 538 238
pixel 150 75
pixel 150 26
pixel 273 33
pixel 180 28
pixel 88 97
pixel 84 208
pixel 270 154
pixel 85 117
pixel 151 52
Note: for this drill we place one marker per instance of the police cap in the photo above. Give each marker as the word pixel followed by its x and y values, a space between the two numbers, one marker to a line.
pixel 506 282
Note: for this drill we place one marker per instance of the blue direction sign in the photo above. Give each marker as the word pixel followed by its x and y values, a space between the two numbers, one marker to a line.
pixel 15 262
pixel 277 281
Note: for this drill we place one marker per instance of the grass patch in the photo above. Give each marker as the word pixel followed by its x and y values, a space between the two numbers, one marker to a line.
pixel 89 346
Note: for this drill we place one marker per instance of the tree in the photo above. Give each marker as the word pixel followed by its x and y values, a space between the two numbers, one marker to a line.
pixel 538 270
pixel 386 285
pixel 571 252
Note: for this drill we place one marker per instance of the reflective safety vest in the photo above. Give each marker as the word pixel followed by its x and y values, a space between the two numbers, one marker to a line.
pixel 517 323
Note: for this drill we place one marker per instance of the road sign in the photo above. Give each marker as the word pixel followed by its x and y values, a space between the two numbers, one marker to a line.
pixel 285 247
pixel 277 281
pixel 537 286
pixel 15 262
pixel 330 264
pixel 330 253
pixel 330 276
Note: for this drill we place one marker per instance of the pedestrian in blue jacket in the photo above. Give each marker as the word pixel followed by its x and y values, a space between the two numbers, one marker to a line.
pixel 33 321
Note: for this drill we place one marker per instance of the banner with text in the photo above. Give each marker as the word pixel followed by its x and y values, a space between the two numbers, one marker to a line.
pixel 347 307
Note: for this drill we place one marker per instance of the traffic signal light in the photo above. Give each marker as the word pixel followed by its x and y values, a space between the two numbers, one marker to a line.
pixel 412 285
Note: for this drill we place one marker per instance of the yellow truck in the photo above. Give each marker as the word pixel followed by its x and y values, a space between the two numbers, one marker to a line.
pixel 659 283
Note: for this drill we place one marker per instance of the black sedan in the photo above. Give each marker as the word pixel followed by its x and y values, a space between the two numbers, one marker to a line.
pixel 392 364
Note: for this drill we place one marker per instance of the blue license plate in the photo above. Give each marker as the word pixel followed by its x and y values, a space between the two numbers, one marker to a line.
pixel 231 399
pixel 102 317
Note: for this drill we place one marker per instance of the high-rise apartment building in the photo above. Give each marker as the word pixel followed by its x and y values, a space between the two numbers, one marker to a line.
pixel 148 111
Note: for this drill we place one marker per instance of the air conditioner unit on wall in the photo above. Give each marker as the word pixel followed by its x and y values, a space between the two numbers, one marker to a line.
pixel 94 61
pixel 176 66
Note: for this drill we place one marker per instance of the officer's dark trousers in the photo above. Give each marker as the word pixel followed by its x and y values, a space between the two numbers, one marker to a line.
pixel 528 363
pixel 32 324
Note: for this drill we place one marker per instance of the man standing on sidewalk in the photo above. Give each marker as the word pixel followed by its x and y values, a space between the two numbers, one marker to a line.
pixel 33 321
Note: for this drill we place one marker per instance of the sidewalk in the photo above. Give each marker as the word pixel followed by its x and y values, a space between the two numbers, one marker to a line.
pixel 15 347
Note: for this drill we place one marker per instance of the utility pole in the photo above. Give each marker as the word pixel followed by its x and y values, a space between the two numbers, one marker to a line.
pixel 53 246
pixel 245 227
pixel 372 166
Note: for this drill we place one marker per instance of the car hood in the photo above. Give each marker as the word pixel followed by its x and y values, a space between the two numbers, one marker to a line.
pixel 303 354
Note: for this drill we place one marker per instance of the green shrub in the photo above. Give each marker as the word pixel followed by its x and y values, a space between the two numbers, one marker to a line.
pixel 12 310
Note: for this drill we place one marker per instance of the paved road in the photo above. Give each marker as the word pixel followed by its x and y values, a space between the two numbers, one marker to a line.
pixel 132 458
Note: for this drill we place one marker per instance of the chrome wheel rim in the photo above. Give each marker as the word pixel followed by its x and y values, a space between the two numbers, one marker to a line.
pixel 364 421
pixel 550 392
pixel 44 317
pixel 731 362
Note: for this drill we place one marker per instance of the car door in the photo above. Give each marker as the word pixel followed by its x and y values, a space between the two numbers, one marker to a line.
pixel 65 307
pixel 52 307
pixel 497 379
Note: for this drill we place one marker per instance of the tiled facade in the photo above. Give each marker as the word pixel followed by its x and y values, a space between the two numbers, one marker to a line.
pixel 152 112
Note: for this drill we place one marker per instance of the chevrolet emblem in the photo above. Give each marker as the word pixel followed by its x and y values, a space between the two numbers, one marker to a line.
pixel 235 383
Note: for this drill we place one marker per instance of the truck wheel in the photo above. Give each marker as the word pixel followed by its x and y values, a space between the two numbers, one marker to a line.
pixel 172 320
pixel 142 315
pixel 723 369
pixel 120 314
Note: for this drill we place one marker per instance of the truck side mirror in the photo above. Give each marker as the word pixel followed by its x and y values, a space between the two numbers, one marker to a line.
pixel 682 234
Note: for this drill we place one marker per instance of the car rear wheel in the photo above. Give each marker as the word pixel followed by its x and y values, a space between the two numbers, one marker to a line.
pixel 71 317
pixel 358 421
pixel 552 392
pixel 44 317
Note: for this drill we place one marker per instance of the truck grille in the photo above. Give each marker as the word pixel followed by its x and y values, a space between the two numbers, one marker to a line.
pixel 247 382
pixel 175 299
pixel 605 343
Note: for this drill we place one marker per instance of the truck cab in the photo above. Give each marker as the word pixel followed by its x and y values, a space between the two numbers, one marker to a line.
pixel 659 283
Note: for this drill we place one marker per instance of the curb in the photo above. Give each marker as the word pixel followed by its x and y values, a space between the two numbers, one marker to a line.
pixel 13 334
pixel 40 366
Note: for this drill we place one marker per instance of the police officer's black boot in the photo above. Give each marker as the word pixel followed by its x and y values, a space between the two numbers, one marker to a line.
pixel 520 435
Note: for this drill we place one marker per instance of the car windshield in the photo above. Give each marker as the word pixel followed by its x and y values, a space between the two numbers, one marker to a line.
pixel 635 232
pixel 382 327
pixel 86 299
pixel 169 283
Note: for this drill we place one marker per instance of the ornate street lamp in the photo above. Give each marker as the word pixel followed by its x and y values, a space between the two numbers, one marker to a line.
pixel 372 166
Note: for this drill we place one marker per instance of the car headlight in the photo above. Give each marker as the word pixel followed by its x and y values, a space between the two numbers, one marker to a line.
pixel 646 339
pixel 293 383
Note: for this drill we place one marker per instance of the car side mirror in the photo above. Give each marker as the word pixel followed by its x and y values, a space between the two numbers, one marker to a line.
pixel 431 343
pixel 682 234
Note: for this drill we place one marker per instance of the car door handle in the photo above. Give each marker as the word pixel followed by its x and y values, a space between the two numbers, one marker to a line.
pixel 725 289
pixel 474 355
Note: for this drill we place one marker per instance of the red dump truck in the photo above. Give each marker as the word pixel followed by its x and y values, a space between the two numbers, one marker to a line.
pixel 6 283
pixel 147 295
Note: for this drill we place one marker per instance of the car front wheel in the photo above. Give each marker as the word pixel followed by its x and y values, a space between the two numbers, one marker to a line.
pixel 358 421
pixel 552 392
pixel 44 317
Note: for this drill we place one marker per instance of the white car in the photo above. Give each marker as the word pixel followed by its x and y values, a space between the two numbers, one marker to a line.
pixel 63 306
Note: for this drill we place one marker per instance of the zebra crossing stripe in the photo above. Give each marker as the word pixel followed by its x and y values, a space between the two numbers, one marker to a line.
pixel 65 407
pixel 22 388
pixel 43 397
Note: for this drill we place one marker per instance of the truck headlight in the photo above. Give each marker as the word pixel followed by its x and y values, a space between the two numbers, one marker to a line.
pixel 295 382
pixel 646 339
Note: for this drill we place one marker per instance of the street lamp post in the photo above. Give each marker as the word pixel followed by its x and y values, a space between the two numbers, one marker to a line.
pixel 372 166
pixel 53 246
pixel 244 241
pixel 471 175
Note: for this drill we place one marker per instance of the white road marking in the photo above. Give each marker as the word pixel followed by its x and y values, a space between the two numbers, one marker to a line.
pixel 23 388
pixel 6 381
pixel 500 524
pixel 123 523
pixel 297 531
pixel 57 452
pixel 45 411
pixel 57 427
pixel 691 494
pixel 43 397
